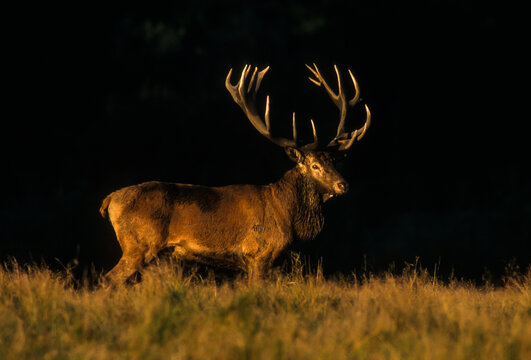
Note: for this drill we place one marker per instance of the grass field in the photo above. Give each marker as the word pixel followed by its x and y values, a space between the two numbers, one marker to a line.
pixel 293 315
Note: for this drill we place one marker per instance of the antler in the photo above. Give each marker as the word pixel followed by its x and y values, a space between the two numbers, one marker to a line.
pixel 343 139
pixel 245 97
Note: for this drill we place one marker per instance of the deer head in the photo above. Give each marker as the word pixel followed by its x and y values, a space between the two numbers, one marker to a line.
pixel 313 162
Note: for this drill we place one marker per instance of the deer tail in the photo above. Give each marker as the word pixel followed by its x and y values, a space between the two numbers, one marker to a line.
pixel 105 205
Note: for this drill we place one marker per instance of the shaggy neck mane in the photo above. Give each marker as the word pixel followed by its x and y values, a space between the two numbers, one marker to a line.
pixel 304 202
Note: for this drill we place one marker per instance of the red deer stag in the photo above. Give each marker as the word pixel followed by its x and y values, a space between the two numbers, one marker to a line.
pixel 238 226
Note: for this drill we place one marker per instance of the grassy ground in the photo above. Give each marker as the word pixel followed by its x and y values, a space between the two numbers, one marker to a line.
pixel 169 315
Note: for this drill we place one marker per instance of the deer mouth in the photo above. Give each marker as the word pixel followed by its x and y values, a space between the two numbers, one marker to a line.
pixel 327 196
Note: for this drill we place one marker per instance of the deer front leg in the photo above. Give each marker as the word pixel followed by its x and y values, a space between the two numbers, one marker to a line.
pixel 256 271
pixel 254 274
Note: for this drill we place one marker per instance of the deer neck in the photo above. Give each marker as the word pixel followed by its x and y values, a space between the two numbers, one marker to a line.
pixel 303 201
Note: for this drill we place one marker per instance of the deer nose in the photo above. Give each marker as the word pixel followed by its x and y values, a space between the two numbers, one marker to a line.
pixel 341 187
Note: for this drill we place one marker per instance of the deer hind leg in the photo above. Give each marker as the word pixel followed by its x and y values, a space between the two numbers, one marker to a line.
pixel 127 266
pixel 138 247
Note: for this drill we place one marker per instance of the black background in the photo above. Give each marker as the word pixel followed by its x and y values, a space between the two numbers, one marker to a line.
pixel 102 97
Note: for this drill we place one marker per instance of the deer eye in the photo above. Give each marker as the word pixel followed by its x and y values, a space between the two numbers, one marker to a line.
pixel 315 167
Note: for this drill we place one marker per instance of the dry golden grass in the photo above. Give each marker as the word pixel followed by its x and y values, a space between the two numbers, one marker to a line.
pixel 169 315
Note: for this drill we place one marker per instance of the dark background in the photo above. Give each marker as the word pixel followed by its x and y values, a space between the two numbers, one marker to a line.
pixel 102 97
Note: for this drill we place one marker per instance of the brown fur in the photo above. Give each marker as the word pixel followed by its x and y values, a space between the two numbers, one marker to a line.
pixel 238 226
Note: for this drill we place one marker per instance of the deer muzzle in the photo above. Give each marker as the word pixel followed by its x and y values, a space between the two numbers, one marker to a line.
pixel 341 187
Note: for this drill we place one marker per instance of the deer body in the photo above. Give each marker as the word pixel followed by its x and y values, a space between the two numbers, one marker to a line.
pixel 238 226
pixel 242 227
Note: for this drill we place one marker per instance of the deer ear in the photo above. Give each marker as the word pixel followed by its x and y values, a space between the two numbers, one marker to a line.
pixel 294 154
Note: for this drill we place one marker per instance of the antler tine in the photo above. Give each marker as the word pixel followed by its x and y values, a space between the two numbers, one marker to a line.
pixel 315 139
pixel 243 76
pixel 261 75
pixel 294 129
pixel 268 124
pixel 315 143
pixel 252 80
pixel 356 97
pixel 341 104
